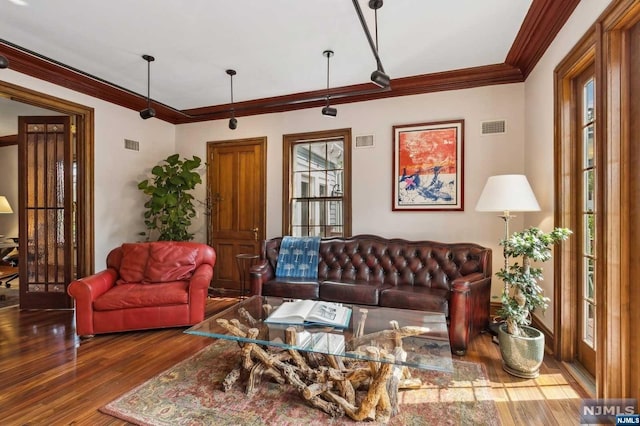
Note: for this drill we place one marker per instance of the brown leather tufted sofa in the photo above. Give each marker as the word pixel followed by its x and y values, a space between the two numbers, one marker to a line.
pixel 370 270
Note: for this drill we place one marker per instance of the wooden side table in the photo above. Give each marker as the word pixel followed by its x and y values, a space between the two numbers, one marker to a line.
pixel 245 261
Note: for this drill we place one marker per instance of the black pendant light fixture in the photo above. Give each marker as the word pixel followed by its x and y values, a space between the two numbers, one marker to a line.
pixel 379 77
pixel 4 62
pixel 328 110
pixel 148 112
pixel 233 123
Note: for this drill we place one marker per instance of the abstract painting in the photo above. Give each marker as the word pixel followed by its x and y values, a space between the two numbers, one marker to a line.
pixel 428 166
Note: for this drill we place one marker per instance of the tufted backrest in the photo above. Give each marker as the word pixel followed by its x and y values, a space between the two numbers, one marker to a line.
pixel 393 261
pixel 159 261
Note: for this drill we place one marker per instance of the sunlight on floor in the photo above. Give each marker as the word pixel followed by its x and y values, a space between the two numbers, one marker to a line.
pixel 456 391
pixel 545 387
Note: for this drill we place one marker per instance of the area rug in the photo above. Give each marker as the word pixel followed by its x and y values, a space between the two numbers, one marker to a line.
pixel 190 393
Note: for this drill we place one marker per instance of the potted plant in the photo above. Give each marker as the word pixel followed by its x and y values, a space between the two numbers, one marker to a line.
pixel 170 206
pixel 521 346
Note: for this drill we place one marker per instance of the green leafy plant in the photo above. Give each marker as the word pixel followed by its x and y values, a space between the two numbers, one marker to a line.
pixel 170 207
pixel 522 293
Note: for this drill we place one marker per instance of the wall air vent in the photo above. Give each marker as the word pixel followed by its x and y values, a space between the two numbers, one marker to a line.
pixel 494 127
pixel 132 145
pixel 364 141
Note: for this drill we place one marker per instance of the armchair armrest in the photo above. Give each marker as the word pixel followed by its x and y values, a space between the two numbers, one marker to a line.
pixel 201 278
pixel 85 291
pixel 259 274
pixel 88 289
pixel 198 291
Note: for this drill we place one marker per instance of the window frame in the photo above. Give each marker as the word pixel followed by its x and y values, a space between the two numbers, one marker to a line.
pixel 289 142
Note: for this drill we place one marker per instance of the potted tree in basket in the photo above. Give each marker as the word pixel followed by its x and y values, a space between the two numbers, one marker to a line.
pixel 170 207
pixel 521 346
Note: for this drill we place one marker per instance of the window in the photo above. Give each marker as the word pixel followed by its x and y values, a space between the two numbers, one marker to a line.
pixel 317 184
pixel 587 232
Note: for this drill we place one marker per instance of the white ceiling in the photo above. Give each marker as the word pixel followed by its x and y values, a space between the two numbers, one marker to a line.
pixel 275 45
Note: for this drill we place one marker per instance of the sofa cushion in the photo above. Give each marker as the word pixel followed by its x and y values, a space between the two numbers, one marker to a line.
pixel 416 297
pixel 296 288
pixel 134 262
pixel 298 257
pixel 358 292
pixel 131 295
pixel 169 262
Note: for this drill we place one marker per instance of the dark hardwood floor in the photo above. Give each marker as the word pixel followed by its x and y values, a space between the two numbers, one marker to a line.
pixel 50 377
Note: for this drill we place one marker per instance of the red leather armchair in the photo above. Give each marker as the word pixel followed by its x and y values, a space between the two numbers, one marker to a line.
pixel 146 285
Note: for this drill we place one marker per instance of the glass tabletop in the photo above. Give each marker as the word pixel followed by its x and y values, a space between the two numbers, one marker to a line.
pixel 371 331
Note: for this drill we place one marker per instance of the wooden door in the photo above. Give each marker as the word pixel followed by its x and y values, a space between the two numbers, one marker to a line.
pixel 46 200
pixel 236 176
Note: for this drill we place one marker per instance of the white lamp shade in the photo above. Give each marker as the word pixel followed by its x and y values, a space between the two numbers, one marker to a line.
pixel 5 207
pixel 504 193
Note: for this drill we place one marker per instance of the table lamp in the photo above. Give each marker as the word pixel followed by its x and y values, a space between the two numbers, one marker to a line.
pixel 5 207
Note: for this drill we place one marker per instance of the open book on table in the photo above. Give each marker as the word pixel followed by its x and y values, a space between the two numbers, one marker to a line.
pixel 311 312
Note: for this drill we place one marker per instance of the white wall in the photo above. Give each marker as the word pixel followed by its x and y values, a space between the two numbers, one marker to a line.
pixel 372 167
pixel 118 202
pixel 9 188
pixel 539 126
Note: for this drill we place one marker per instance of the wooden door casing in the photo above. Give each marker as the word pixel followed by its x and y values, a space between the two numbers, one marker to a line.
pixel 83 118
pixel 236 176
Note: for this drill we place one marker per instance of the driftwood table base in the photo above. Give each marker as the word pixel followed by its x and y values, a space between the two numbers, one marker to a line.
pixel 329 382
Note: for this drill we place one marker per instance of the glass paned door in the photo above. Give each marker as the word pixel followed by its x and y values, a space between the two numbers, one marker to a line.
pixel 588 238
pixel 46 203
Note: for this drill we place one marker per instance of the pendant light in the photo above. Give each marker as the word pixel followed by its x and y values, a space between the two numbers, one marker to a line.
pixel 233 123
pixel 4 62
pixel 148 112
pixel 328 110
pixel 379 77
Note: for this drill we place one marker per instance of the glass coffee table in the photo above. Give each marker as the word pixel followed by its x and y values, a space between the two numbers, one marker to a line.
pixel 327 365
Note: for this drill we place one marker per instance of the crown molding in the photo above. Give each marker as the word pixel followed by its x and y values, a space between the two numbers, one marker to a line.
pixel 426 83
pixel 8 140
pixel 541 24
pixel 31 64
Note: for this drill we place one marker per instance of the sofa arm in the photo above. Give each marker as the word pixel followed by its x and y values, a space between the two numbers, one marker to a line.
pixel 466 283
pixel 85 291
pixel 198 292
pixel 468 309
pixel 259 274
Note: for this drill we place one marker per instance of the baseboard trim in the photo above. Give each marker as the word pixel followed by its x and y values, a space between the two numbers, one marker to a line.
pixel 581 376
pixel 549 340
pixel 493 309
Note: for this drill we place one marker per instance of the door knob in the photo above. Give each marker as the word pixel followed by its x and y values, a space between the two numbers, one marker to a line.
pixel 255 233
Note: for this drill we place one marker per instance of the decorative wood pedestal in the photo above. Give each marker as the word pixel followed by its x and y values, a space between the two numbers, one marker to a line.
pixel 330 382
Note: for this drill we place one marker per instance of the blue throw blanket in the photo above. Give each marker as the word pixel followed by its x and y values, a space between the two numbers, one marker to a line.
pixel 298 257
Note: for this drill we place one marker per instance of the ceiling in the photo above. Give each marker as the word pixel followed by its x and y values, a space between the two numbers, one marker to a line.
pixel 276 47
